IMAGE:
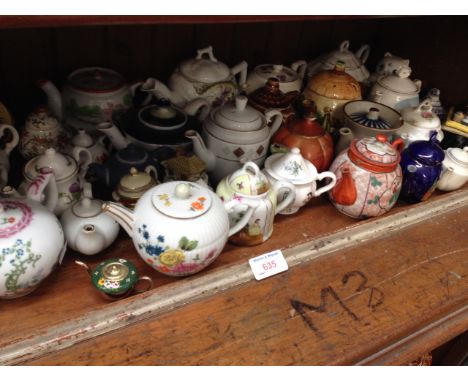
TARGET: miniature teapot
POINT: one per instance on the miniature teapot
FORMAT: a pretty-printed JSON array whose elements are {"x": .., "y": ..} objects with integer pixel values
[
  {"x": 90, "y": 95},
  {"x": 133, "y": 185},
  {"x": 200, "y": 77},
  {"x": 233, "y": 134},
  {"x": 306, "y": 133},
  {"x": 421, "y": 163},
  {"x": 116, "y": 278},
  {"x": 87, "y": 229},
  {"x": 10, "y": 138},
  {"x": 366, "y": 119},
  {"x": 31, "y": 238},
  {"x": 68, "y": 176},
  {"x": 178, "y": 228},
  {"x": 437, "y": 107},
  {"x": 419, "y": 122},
  {"x": 96, "y": 146},
  {"x": 294, "y": 168},
  {"x": 396, "y": 90},
  {"x": 354, "y": 62},
  {"x": 454, "y": 169},
  {"x": 386, "y": 66},
  {"x": 250, "y": 184},
  {"x": 368, "y": 177},
  {"x": 289, "y": 79},
  {"x": 41, "y": 131}
]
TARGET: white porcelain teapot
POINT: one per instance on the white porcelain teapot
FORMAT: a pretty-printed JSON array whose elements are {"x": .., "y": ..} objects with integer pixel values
[
  {"x": 32, "y": 242},
  {"x": 200, "y": 77},
  {"x": 179, "y": 228},
  {"x": 454, "y": 169},
  {"x": 297, "y": 170}
]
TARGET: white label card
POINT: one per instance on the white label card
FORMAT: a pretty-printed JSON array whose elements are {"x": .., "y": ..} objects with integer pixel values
[{"x": 268, "y": 264}]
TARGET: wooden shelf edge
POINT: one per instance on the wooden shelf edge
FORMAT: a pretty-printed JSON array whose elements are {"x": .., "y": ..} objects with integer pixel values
[
  {"x": 170, "y": 297},
  {"x": 67, "y": 21}
]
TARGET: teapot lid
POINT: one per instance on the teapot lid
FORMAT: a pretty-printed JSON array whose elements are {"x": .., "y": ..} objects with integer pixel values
[
  {"x": 459, "y": 156},
  {"x": 15, "y": 215},
  {"x": 376, "y": 153},
  {"x": 281, "y": 72},
  {"x": 239, "y": 116},
  {"x": 63, "y": 165},
  {"x": 371, "y": 118},
  {"x": 422, "y": 116},
  {"x": 96, "y": 80},
  {"x": 428, "y": 152},
  {"x": 206, "y": 70},
  {"x": 82, "y": 139},
  {"x": 87, "y": 208},
  {"x": 114, "y": 276},
  {"x": 249, "y": 180},
  {"x": 181, "y": 200},
  {"x": 162, "y": 116},
  {"x": 42, "y": 120},
  {"x": 135, "y": 182},
  {"x": 270, "y": 95},
  {"x": 291, "y": 166},
  {"x": 335, "y": 84},
  {"x": 399, "y": 81}
]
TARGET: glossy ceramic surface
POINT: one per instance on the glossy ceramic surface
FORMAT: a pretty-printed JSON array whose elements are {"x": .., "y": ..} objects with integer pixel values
[
  {"x": 10, "y": 139},
  {"x": 454, "y": 169},
  {"x": 387, "y": 65}
]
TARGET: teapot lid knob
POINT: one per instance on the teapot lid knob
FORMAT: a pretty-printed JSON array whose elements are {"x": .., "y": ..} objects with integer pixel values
[
  {"x": 381, "y": 138},
  {"x": 340, "y": 66},
  {"x": 277, "y": 68},
  {"x": 182, "y": 191},
  {"x": 373, "y": 114},
  {"x": 241, "y": 102}
]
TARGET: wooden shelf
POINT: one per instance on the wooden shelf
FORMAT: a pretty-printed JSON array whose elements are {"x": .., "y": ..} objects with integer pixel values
[{"x": 418, "y": 270}]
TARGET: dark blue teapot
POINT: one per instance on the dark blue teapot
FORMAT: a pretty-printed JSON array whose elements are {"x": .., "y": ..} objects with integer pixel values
[{"x": 421, "y": 164}]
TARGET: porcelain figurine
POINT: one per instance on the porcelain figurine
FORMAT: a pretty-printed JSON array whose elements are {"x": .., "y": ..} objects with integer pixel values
[
  {"x": 87, "y": 229},
  {"x": 42, "y": 131},
  {"x": 366, "y": 119},
  {"x": 116, "y": 278},
  {"x": 96, "y": 146},
  {"x": 250, "y": 184},
  {"x": 419, "y": 122},
  {"x": 289, "y": 79},
  {"x": 368, "y": 177},
  {"x": 354, "y": 62},
  {"x": 232, "y": 135},
  {"x": 454, "y": 169},
  {"x": 421, "y": 163},
  {"x": 437, "y": 107},
  {"x": 330, "y": 90},
  {"x": 157, "y": 125},
  {"x": 297, "y": 170},
  {"x": 306, "y": 133},
  {"x": 178, "y": 228},
  {"x": 120, "y": 163},
  {"x": 91, "y": 95},
  {"x": 31, "y": 238},
  {"x": 387, "y": 65},
  {"x": 134, "y": 184},
  {"x": 10, "y": 139},
  {"x": 201, "y": 77},
  {"x": 68, "y": 176},
  {"x": 270, "y": 96},
  {"x": 396, "y": 90}
]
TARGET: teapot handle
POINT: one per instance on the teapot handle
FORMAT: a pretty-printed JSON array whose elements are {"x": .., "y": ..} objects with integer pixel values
[
  {"x": 344, "y": 46},
  {"x": 277, "y": 117},
  {"x": 45, "y": 181},
  {"x": 238, "y": 201},
  {"x": 329, "y": 186},
  {"x": 300, "y": 67},
  {"x": 149, "y": 285},
  {"x": 363, "y": 53},
  {"x": 84, "y": 158},
  {"x": 151, "y": 170},
  {"x": 291, "y": 195},
  {"x": 209, "y": 51},
  {"x": 240, "y": 68},
  {"x": 14, "y": 137}
]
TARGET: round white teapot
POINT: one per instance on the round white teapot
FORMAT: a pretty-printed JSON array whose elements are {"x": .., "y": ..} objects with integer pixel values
[{"x": 454, "y": 169}]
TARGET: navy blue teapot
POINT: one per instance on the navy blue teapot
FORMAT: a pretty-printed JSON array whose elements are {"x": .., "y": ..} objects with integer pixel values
[{"x": 421, "y": 163}]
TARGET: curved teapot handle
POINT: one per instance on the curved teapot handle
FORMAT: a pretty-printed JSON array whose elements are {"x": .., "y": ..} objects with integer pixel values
[
  {"x": 300, "y": 67},
  {"x": 151, "y": 170},
  {"x": 149, "y": 284},
  {"x": 198, "y": 105},
  {"x": 239, "y": 201},
  {"x": 363, "y": 53},
  {"x": 329, "y": 186},
  {"x": 344, "y": 46},
  {"x": 133, "y": 88},
  {"x": 240, "y": 68},
  {"x": 291, "y": 195},
  {"x": 45, "y": 181},
  {"x": 14, "y": 137},
  {"x": 209, "y": 51},
  {"x": 277, "y": 117},
  {"x": 84, "y": 158}
]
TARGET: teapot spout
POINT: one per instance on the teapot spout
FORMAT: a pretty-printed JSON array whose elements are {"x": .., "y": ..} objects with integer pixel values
[
  {"x": 121, "y": 215},
  {"x": 201, "y": 150},
  {"x": 346, "y": 136},
  {"x": 159, "y": 90},
  {"x": 54, "y": 99},
  {"x": 116, "y": 137}
]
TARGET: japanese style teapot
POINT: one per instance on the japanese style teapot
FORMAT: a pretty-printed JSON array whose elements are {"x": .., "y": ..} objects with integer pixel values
[
  {"x": 200, "y": 77},
  {"x": 368, "y": 177},
  {"x": 179, "y": 228},
  {"x": 32, "y": 243}
]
